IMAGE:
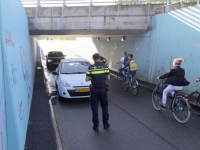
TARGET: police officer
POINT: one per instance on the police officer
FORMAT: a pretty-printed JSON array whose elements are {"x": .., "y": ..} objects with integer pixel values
[
  {"x": 98, "y": 74},
  {"x": 103, "y": 60}
]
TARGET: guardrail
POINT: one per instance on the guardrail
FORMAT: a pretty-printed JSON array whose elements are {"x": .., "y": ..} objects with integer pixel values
[
  {"x": 60, "y": 3},
  {"x": 176, "y": 5}
]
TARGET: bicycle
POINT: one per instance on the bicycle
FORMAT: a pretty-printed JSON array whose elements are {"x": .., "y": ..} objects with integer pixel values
[
  {"x": 178, "y": 104},
  {"x": 121, "y": 79},
  {"x": 194, "y": 101},
  {"x": 133, "y": 84}
]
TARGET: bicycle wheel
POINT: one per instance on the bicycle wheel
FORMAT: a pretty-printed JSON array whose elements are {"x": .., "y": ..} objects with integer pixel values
[
  {"x": 194, "y": 101},
  {"x": 156, "y": 100},
  {"x": 118, "y": 77},
  {"x": 123, "y": 79},
  {"x": 125, "y": 86},
  {"x": 134, "y": 88},
  {"x": 181, "y": 109}
]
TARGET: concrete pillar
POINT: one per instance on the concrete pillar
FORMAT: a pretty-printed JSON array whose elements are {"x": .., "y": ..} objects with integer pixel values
[
  {"x": 36, "y": 14},
  {"x": 168, "y": 5},
  {"x": 89, "y": 14}
]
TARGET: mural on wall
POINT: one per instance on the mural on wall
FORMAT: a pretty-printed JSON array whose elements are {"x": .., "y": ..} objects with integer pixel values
[
  {"x": 8, "y": 39},
  {"x": 112, "y": 50},
  {"x": 2, "y": 123},
  {"x": 13, "y": 76},
  {"x": 1, "y": 94},
  {"x": 137, "y": 45},
  {"x": 2, "y": 114},
  {"x": 114, "y": 47},
  {"x": 19, "y": 61},
  {"x": 20, "y": 109},
  {"x": 1, "y": 141},
  {"x": 26, "y": 74},
  {"x": 198, "y": 46},
  {"x": 0, "y": 102}
]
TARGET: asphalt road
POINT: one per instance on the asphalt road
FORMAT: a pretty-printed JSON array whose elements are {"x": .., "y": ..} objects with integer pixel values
[
  {"x": 135, "y": 124},
  {"x": 40, "y": 132}
]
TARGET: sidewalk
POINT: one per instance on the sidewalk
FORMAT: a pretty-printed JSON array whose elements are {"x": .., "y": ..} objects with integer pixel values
[{"x": 40, "y": 133}]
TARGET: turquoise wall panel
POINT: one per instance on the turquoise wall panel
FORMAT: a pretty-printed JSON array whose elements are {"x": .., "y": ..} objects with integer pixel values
[
  {"x": 3, "y": 123},
  {"x": 19, "y": 68},
  {"x": 177, "y": 40},
  {"x": 154, "y": 51}
]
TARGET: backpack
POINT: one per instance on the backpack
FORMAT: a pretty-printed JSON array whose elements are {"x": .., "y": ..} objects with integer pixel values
[
  {"x": 125, "y": 59},
  {"x": 133, "y": 65}
]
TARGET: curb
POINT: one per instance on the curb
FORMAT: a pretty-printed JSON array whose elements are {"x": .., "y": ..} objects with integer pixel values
[{"x": 55, "y": 126}]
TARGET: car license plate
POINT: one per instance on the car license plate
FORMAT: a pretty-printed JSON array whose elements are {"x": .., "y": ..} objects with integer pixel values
[
  {"x": 83, "y": 90},
  {"x": 56, "y": 63}
]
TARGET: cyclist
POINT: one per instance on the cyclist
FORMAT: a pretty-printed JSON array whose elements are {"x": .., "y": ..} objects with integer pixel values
[
  {"x": 175, "y": 80},
  {"x": 197, "y": 79},
  {"x": 123, "y": 61},
  {"x": 131, "y": 66}
]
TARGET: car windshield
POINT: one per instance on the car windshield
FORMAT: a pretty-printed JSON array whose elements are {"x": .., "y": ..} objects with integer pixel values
[
  {"x": 55, "y": 54},
  {"x": 74, "y": 67}
]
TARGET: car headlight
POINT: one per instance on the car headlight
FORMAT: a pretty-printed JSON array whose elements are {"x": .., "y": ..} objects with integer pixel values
[
  {"x": 64, "y": 83},
  {"x": 49, "y": 60}
]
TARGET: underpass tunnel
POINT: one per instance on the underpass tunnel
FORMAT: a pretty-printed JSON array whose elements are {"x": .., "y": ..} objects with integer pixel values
[
  {"x": 151, "y": 50},
  {"x": 172, "y": 35},
  {"x": 83, "y": 47}
]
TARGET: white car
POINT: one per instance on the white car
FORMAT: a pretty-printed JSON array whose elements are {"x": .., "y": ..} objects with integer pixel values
[{"x": 70, "y": 78}]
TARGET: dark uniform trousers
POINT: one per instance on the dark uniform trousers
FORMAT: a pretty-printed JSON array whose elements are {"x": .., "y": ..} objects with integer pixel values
[{"x": 96, "y": 95}]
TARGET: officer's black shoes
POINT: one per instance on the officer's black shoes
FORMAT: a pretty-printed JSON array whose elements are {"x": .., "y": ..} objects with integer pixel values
[
  {"x": 106, "y": 126},
  {"x": 95, "y": 128}
]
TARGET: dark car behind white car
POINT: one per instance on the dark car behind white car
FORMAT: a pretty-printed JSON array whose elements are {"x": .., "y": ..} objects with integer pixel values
[{"x": 53, "y": 58}]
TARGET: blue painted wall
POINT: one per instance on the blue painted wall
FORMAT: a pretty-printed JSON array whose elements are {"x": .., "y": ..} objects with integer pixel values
[
  {"x": 171, "y": 37},
  {"x": 3, "y": 133},
  {"x": 3, "y": 124},
  {"x": 17, "y": 69}
]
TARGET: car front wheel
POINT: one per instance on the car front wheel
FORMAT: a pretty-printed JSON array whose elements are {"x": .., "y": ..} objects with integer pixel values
[
  {"x": 58, "y": 95},
  {"x": 47, "y": 66},
  {"x": 60, "y": 99}
]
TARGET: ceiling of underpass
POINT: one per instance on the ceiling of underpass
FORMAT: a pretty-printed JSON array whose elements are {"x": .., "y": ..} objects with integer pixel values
[{"x": 87, "y": 33}]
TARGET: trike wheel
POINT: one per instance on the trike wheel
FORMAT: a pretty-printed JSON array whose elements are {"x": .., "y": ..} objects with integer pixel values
[
  {"x": 181, "y": 109},
  {"x": 135, "y": 89},
  {"x": 156, "y": 100},
  {"x": 194, "y": 103},
  {"x": 125, "y": 86},
  {"x": 119, "y": 79}
]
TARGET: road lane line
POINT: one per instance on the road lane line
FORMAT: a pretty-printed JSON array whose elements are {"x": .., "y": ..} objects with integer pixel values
[{"x": 55, "y": 126}]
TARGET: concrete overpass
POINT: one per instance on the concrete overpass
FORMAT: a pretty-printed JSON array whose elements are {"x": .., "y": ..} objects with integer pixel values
[{"x": 91, "y": 20}]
